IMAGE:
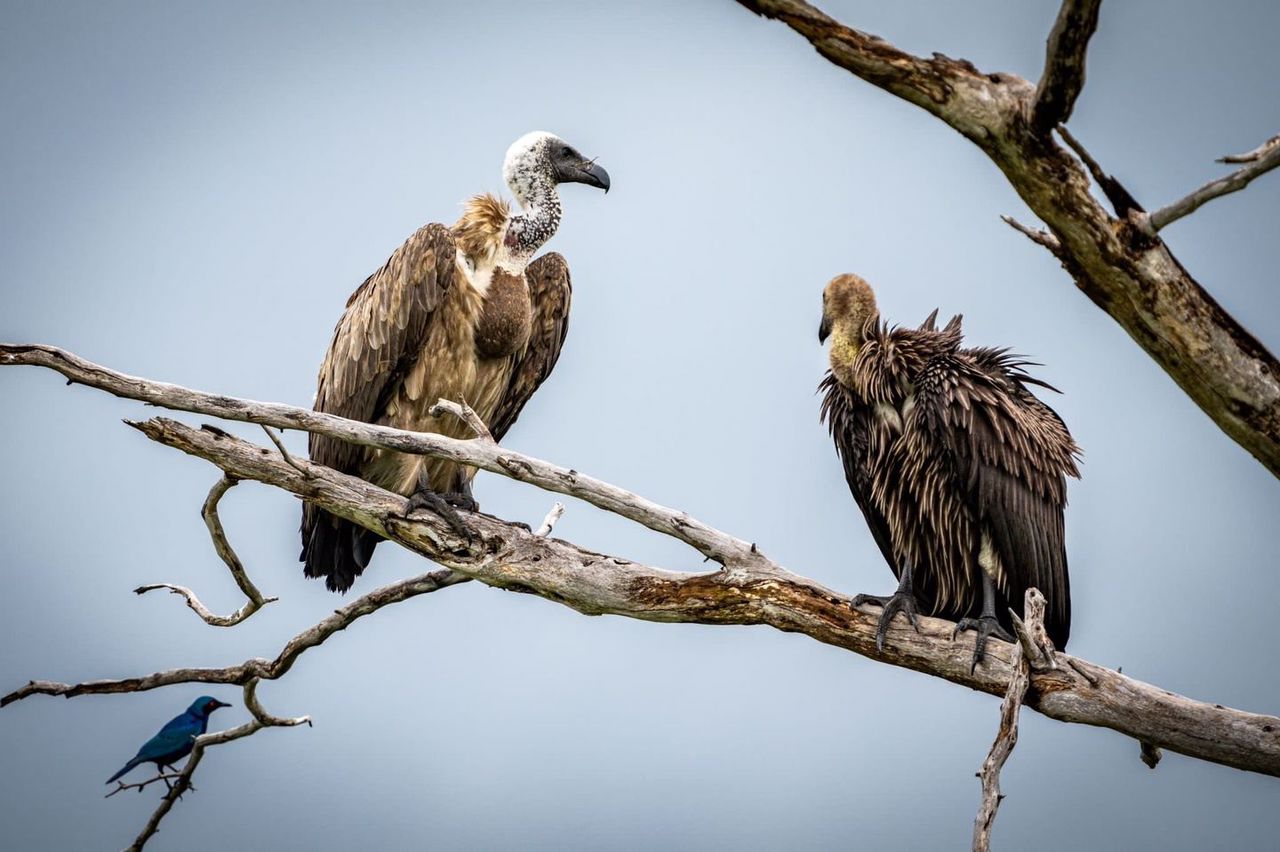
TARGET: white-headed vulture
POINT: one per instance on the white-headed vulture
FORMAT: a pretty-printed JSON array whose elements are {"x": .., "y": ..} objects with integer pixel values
[
  {"x": 459, "y": 313},
  {"x": 959, "y": 470}
]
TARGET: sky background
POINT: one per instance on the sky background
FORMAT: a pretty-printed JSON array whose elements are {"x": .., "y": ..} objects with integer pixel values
[{"x": 190, "y": 192}]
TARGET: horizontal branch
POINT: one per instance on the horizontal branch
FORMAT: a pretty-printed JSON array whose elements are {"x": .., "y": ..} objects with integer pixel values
[
  {"x": 509, "y": 557},
  {"x": 255, "y": 668},
  {"x": 1259, "y": 161},
  {"x": 1064, "y": 61},
  {"x": 478, "y": 452},
  {"x": 1118, "y": 263}
]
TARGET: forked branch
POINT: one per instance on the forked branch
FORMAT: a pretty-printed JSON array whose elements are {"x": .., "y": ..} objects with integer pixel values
[
  {"x": 1259, "y": 161},
  {"x": 1064, "y": 61}
]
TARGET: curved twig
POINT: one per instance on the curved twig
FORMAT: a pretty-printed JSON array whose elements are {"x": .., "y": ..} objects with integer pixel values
[{"x": 255, "y": 600}]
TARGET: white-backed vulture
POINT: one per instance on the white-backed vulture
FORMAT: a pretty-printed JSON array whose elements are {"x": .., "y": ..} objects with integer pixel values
[
  {"x": 959, "y": 470},
  {"x": 459, "y": 313}
]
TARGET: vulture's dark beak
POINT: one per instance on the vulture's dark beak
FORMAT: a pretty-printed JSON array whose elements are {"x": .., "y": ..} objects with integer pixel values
[
  {"x": 824, "y": 329},
  {"x": 588, "y": 173}
]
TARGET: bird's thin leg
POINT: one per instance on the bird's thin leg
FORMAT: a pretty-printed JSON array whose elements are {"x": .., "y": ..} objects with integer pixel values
[
  {"x": 462, "y": 498},
  {"x": 425, "y": 498},
  {"x": 986, "y": 624},
  {"x": 903, "y": 600}
]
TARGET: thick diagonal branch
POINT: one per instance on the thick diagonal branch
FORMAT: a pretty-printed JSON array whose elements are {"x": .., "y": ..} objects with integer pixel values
[
  {"x": 1064, "y": 60},
  {"x": 228, "y": 555},
  {"x": 1116, "y": 262}
]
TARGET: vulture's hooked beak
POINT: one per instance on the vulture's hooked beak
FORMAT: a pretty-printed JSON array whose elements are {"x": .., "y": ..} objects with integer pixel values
[
  {"x": 589, "y": 173},
  {"x": 824, "y": 329}
]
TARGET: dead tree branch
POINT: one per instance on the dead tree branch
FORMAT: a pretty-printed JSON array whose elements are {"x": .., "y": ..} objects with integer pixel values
[
  {"x": 1116, "y": 262},
  {"x": 1260, "y": 160},
  {"x": 261, "y": 719},
  {"x": 1063, "y": 76},
  {"x": 754, "y": 591},
  {"x": 486, "y": 455},
  {"x": 1007, "y": 734},
  {"x": 223, "y": 547}
]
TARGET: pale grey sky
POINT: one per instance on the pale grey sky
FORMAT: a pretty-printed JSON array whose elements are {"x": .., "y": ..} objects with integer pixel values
[{"x": 192, "y": 190}]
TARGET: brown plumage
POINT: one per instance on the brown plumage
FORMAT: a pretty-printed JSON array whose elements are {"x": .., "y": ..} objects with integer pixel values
[
  {"x": 959, "y": 470},
  {"x": 456, "y": 313}
]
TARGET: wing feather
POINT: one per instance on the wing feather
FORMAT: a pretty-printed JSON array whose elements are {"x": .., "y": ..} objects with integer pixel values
[{"x": 1012, "y": 453}]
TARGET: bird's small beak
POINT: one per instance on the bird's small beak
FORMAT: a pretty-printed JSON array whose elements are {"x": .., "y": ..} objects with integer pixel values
[
  {"x": 824, "y": 329},
  {"x": 593, "y": 175},
  {"x": 217, "y": 703}
]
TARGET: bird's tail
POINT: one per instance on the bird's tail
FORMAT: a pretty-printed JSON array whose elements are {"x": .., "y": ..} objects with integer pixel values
[
  {"x": 127, "y": 767},
  {"x": 336, "y": 549}
]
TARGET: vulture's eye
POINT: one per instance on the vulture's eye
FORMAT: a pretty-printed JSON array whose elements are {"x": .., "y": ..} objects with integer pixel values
[{"x": 564, "y": 152}]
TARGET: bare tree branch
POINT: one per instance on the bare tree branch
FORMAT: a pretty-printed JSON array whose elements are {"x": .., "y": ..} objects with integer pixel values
[
  {"x": 466, "y": 414},
  {"x": 1037, "y": 236},
  {"x": 549, "y": 522},
  {"x": 1117, "y": 263},
  {"x": 275, "y": 439},
  {"x": 1007, "y": 734},
  {"x": 1260, "y": 160},
  {"x": 718, "y": 546},
  {"x": 1064, "y": 61},
  {"x": 209, "y": 512},
  {"x": 758, "y": 591},
  {"x": 261, "y": 719}
]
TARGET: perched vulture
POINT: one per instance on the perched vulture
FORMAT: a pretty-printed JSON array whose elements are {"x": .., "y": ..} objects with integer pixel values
[
  {"x": 459, "y": 313},
  {"x": 958, "y": 468}
]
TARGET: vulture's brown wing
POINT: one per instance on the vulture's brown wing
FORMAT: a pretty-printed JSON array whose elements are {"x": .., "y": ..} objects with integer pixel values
[
  {"x": 379, "y": 337},
  {"x": 1011, "y": 454},
  {"x": 550, "y": 292},
  {"x": 375, "y": 343},
  {"x": 849, "y": 420}
]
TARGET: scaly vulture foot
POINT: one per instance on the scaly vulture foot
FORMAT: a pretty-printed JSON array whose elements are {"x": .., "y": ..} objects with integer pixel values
[
  {"x": 899, "y": 601},
  {"x": 425, "y": 498},
  {"x": 985, "y": 626},
  {"x": 462, "y": 500}
]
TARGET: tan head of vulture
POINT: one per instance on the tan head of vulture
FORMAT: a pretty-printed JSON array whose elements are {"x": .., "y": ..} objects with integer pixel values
[
  {"x": 959, "y": 470},
  {"x": 460, "y": 313}
]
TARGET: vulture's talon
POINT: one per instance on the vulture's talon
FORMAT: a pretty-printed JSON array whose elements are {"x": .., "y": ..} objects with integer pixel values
[
  {"x": 899, "y": 601},
  {"x": 985, "y": 626},
  {"x": 439, "y": 505}
]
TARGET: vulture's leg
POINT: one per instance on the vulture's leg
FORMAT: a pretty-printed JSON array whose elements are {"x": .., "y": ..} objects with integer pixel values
[
  {"x": 986, "y": 624},
  {"x": 424, "y": 498},
  {"x": 903, "y": 600},
  {"x": 462, "y": 497}
]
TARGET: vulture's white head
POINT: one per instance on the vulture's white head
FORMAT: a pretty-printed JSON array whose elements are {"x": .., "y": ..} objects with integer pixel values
[{"x": 539, "y": 161}]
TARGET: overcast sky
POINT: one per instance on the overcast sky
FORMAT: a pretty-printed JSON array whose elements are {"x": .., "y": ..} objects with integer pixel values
[{"x": 192, "y": 190}]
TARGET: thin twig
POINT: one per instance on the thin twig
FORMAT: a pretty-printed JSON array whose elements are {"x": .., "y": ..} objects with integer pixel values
[
  {"x": 228, "y": 555},
  {"x": 1007, "y": 735},
  {"x": 1258, "y": 162},
  {"x": 1037, "y": 647},
  {"x": 275, "y": 439},
  {"x": 466, "y": 414},
  {"x": 261, "y": 719},
  {"x": 1121, "y": 200},
  {"x": 549, "y": 522},
  {"x": 166, "y": 777},
  {"x": 1043, "y": 238}
]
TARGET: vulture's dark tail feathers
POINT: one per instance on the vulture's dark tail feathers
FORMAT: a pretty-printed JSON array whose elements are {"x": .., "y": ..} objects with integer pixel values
[{"x": 338, "y": 550}]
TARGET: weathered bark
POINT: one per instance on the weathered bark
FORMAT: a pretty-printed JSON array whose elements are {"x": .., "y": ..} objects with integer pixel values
[
  {"x": 750, "y": 590},
  {"x": 1118, "y": 262}
]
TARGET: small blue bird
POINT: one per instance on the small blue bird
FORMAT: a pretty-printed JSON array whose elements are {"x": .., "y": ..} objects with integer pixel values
[{"x": 175, "y": 739}]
